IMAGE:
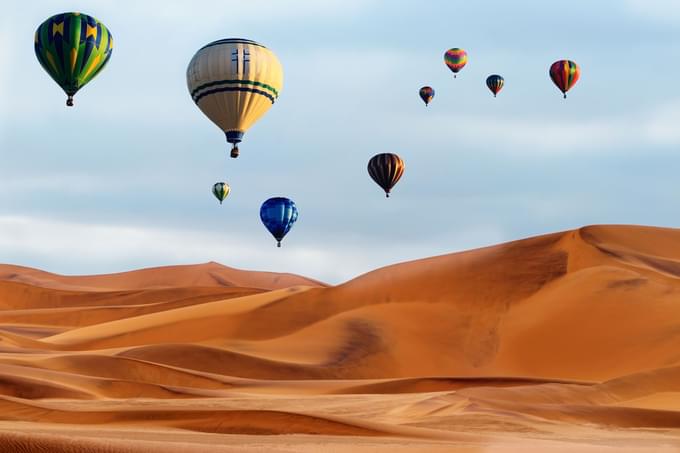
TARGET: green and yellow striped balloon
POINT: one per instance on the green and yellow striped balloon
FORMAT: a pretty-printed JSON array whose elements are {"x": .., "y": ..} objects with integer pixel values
[
  {"x": 73, "y": 48},
  {"x": 221, "y": 190}
]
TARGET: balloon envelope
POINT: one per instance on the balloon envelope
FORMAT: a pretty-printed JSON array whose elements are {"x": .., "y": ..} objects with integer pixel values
[
  {"x": 278, "y": 215},
  {"x": 564, "y": 74},
  {"x": 386, "y": 169},
  {"x": 426, "y": 94},
  {"x": 455, "y": 59},
  {"x": 221, "y": 190},
  {"x": 495, "y": 83},
  {"x": 234, "y": 82},
  {"x": 73, "y": 48}
]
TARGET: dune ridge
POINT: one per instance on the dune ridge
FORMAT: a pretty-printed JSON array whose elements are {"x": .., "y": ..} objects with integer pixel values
[
  {"x": 558, "y": 342},
  {"x": 207, "y": 274}
]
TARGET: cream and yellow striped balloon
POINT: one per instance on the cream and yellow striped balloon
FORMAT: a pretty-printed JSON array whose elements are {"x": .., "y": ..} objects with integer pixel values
[{"x": 234, "y": 82}]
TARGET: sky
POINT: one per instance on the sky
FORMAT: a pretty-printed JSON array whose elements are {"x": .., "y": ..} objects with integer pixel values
[{"x": 122, "y": 180}]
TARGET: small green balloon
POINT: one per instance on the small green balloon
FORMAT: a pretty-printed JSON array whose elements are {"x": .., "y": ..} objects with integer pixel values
[{"x": 221, "y": 190}]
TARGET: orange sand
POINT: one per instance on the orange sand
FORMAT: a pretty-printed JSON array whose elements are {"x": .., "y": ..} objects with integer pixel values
[{"x": 560, "y": 343}]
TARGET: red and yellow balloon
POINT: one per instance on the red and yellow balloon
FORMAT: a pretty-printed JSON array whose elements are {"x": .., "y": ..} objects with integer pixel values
[{"x": 565, "y": 74}]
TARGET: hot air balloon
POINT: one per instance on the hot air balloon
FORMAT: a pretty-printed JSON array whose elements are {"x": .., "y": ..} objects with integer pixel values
[
  {"x": 73, "y": 48},
  {"x": 386, "y": 170},
  {"x": 221, "y": 190},
  {"x": 278, "y": 215},
  {"x": 234, "y": 82},
  {"x": 426, "y": 94},
  {"x": 564, "y": 74},
  {"x": 495, "y": 83},
  {"x": 455, "y": 59}
]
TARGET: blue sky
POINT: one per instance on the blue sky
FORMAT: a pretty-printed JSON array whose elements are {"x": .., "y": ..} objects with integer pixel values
[{"x": 123, "y": 179}]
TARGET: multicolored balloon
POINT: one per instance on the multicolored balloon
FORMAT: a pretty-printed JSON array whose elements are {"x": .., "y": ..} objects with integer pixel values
[
  {"x": 564, "y": 74},
  {"x": 455, "y": 59},
  {"x": 495, "y": 83},
  {"x": 278, "y": 215},
  {"x": 221, "y": 190},
  {"x": 73, "y": 48},
  {"x": 426, "y": 94},
  {"x": 234, "y": 82},
  {"x": 386, "y": 169}
]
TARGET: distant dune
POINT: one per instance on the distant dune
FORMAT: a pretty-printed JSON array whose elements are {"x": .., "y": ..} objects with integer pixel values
[
  {"x": 563, "y": 342},
  {"x": 187, "y": 276}
]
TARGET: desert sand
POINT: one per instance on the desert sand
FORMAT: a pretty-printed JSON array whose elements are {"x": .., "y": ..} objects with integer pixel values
[{"x": 559, "y": 343}]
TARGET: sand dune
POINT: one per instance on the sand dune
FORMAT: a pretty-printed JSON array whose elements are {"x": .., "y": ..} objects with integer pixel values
[
  {"x": 563, "y": 342},
  {"x": 208, "y": 274}
]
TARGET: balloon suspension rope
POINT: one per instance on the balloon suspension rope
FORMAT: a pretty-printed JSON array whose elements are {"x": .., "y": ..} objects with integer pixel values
[{"x": 69, "y": 101}]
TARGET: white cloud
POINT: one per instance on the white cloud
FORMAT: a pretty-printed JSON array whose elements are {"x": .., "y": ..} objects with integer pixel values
[
  {"x": 660, "y": 10},
  {"x": 661, "y": 126},
  {"x": 6, "y": 55},
  {"x": 92, "y": 248},
  {"x": 218, "y": 11},
  {"x": 632, "y": 131},
  {"x": 208, "y": 14}
]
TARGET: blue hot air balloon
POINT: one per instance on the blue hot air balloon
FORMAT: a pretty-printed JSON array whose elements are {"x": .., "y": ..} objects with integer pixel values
[{"x": 278, "y": 215}]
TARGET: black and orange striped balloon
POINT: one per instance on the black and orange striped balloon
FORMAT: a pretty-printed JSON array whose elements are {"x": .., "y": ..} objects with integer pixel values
[
  {"x": 495, "y": 83},
  {"x": 426, "y": 94},
  {"x": 386, "y": 169}
]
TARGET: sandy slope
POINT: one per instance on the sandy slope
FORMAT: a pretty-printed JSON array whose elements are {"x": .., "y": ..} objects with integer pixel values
[{"x": 563, "y": 342}]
